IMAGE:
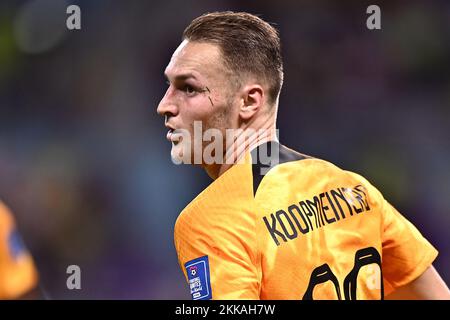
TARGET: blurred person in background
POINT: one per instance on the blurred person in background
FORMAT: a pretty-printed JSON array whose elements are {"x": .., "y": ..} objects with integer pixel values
[{"x": 18, "y": 274}]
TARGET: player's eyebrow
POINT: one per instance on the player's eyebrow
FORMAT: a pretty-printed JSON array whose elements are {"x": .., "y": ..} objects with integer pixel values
[{"x": 181, "y": 77}]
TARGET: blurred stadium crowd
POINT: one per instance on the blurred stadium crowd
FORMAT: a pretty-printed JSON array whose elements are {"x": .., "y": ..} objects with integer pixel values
[{"x": 85, "y": 166}]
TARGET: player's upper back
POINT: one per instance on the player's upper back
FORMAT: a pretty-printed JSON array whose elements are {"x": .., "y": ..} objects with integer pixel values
[
  {"x": 288, "y": 226},
  {"x": 316, "y": 221}
]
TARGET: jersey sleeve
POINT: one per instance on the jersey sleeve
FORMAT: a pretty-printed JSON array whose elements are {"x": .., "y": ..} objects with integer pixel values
[
  {"x": 406, "y": 254},
  {"x": 18, "y": 274},
  {"x": 218, "y": 257}
]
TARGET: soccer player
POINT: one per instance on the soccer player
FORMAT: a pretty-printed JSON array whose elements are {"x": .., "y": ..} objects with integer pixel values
[
  {"x": 274, "y": 223},
  {"x": 18, "y": 275}
]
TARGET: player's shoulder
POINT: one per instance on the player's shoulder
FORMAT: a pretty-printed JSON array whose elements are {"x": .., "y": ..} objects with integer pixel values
[
  {"x": 294, "y": 171},
  {"x": 326, "y": 173},
  {"x": 326, "y": 170},
  {"x": 290, "y": 162}
]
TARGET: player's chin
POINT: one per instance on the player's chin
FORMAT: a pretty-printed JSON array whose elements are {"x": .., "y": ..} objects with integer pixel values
[
  {"x": 179, "y": 155},
  {"x": 175, "y": 154},
  {"x": 184, "y": 154}
]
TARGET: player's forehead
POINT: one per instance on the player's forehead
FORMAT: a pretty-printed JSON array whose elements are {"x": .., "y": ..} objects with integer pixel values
[{"x": 194, "y": 59}]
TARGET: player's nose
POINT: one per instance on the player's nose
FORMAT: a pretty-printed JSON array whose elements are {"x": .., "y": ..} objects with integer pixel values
[{"x": 167, "y": 106}]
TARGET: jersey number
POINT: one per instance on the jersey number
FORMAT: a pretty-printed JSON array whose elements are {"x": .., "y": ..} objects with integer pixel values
[{"x": 323, "y": 274}]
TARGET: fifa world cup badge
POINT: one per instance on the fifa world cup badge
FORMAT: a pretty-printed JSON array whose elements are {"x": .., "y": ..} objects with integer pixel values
[{"x": 199, "y": 279}]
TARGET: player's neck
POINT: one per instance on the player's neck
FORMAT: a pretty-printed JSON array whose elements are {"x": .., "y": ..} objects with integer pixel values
[{"x": 243, "y": 143}]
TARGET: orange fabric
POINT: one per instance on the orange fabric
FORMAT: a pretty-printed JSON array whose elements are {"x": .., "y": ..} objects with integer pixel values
[
  {"x": 308, "y": 217},
  {"x": 17, "y": 271}
]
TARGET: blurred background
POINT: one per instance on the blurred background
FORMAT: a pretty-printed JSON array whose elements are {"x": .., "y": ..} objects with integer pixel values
[{"x": 85, "y": 165}]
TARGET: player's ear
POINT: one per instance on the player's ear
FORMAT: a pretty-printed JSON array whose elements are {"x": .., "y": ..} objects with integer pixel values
[{"x": 252, "y": 100}]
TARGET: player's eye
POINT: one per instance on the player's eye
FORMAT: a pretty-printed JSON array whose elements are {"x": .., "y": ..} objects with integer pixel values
[{"x": 189, "y": 90}]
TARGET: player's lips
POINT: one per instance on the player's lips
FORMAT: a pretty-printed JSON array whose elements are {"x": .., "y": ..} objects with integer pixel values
[
  {"x": 169, "y": 134},
  {"x": 173, "y": 135}
]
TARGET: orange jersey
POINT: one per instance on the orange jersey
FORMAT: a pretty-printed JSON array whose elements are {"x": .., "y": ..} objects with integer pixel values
[
  {"x": 17, "y": 271},
  {"x": 299, "y": 228}
]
